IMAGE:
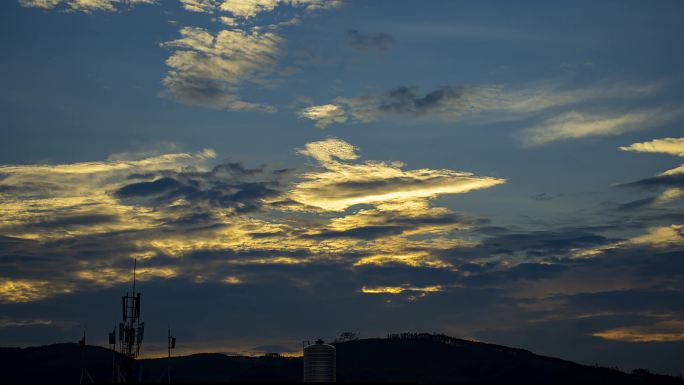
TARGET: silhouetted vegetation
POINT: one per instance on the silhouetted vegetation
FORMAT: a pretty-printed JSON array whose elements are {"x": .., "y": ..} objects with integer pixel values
[{"x": 406, "y": 358}]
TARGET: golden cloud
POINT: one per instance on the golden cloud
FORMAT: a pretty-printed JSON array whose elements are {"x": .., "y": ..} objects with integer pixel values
[
  {"x": 672, "y": 146},
  {"x": 664, "y": 331},
  {"x": 86, "y": 203},
  {"x": 658, "y": 237},
  {"x": 28, "y": 290},
  {"x": 339, "y": 185}
]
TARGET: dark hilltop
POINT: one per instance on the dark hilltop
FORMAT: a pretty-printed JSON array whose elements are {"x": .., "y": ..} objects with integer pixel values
[{"x": 402, "y": 358}]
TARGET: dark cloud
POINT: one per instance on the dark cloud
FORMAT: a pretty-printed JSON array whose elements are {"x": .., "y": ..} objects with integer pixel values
[
  {"x": 447, "y": 102},
  {"x": 389, "y": 223},
  {"x": 540, "y": 243},
  {"x": 407, "y": 100},
  {"x": 74, "y": 220},
  {"x": 544, "y": 196},
  {"x": 523, "y": 271},
  {"x": 366, "y": 42},
  {"x": 143, "y": 189},
  {"x": 637, "y": 204},
  {"x": 363, "y": 232},
  {"x": 228, "y": 185},
  {"x": 674, "y": 180},
  {"x": 30, "y": 188}
]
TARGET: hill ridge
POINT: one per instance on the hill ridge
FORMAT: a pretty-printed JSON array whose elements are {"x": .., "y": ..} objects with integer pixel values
[{"x": 407, "y": 357}]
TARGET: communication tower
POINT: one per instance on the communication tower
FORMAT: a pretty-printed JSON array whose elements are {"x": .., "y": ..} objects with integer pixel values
[{"x": 131, "y": 334}]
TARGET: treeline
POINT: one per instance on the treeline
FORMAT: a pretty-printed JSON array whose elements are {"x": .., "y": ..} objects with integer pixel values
[{"x": 441, "y": 338}]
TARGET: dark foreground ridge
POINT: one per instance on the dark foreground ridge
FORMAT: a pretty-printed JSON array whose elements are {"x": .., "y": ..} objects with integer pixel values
[{"x": 405, "y": 358}]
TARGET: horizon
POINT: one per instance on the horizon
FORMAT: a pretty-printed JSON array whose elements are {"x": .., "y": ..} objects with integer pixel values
[{"x": 283, "y": 170}]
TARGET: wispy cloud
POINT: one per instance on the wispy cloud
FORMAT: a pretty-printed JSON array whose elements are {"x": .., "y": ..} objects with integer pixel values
[
  {"x": 82, "y": 5},
  {"x": 251, "y": 8},
  {"x": 445, "y": 102},
  {"x": 7, "y": 322},
  {"x": 575, "y": 125},
  {"x": 365, "y": 42},
  {"x": 559, "y": 113},
  {"x": 663, "y": 331},
  {"x": 29, "y": 290},
  {"x": 202, "y": 6}
]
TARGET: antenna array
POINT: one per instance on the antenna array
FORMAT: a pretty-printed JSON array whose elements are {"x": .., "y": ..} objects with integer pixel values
[{"x": 131, "y": 334}]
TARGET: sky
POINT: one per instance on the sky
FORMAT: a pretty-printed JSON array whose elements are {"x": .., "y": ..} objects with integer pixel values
[{"x": 284, "y": 170}]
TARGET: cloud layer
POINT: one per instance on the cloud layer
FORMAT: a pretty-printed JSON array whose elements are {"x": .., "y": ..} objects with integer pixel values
[
  {"x": 550, "y": 111},
  {"x": 83, "y": 5},
  {"x": 179, "y": 205}
]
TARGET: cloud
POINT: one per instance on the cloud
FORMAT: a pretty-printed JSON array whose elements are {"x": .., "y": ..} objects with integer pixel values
[
  {"x": 339, "y": 185},
  {"x": 248, "y": 8},
  {"x": 415, "y": 292},
  {"x": 47, "y": 4},
  {"x": 575, "y": 125},
  {"x": 661, "y": 237},
  {"x": 671, "y": 180},
  {"x": 324, "y": 115},
  {"x": 82, "y": 5},
  {"x": 183, "y": 216},
  {"x": 208, "y": 70},
  {"x": 533, "y": 244},
  {"x": 7, "y": 322},
  {"x": 202, "y": 6},
  {"x": 326, "y": 150},
  {"x": 227, "y": 186},
  {"x": 672, "y": 146},
  {"x": 549, "y": 95},
  {"x": 446, "y": 103},
  {"x": 663, "y": 331},
  {"x": 365, "y": 42},
  {"x": 251, "y": 8},
  {"x": 545, "y": 104},
  {"x": 46, "y": 201},
  {"x": 28, "y": 290}
]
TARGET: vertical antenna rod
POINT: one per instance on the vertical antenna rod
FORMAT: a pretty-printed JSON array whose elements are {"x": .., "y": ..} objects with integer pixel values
[{"x": 131, "y": 331}]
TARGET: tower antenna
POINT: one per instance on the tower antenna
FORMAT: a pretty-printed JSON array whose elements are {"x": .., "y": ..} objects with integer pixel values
[
  {"x": 131, "y": 333},
  {"x": 84, "y": 370}
]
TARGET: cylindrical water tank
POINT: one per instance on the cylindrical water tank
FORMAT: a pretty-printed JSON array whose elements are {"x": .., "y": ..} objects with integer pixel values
[{"x": 319, "y": 362}]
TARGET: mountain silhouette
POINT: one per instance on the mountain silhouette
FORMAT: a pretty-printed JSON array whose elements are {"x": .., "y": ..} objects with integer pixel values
[{"x": 407, "y": 358}]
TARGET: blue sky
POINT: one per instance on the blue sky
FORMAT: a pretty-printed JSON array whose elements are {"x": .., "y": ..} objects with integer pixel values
[{"x": 496, "y": 171}]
